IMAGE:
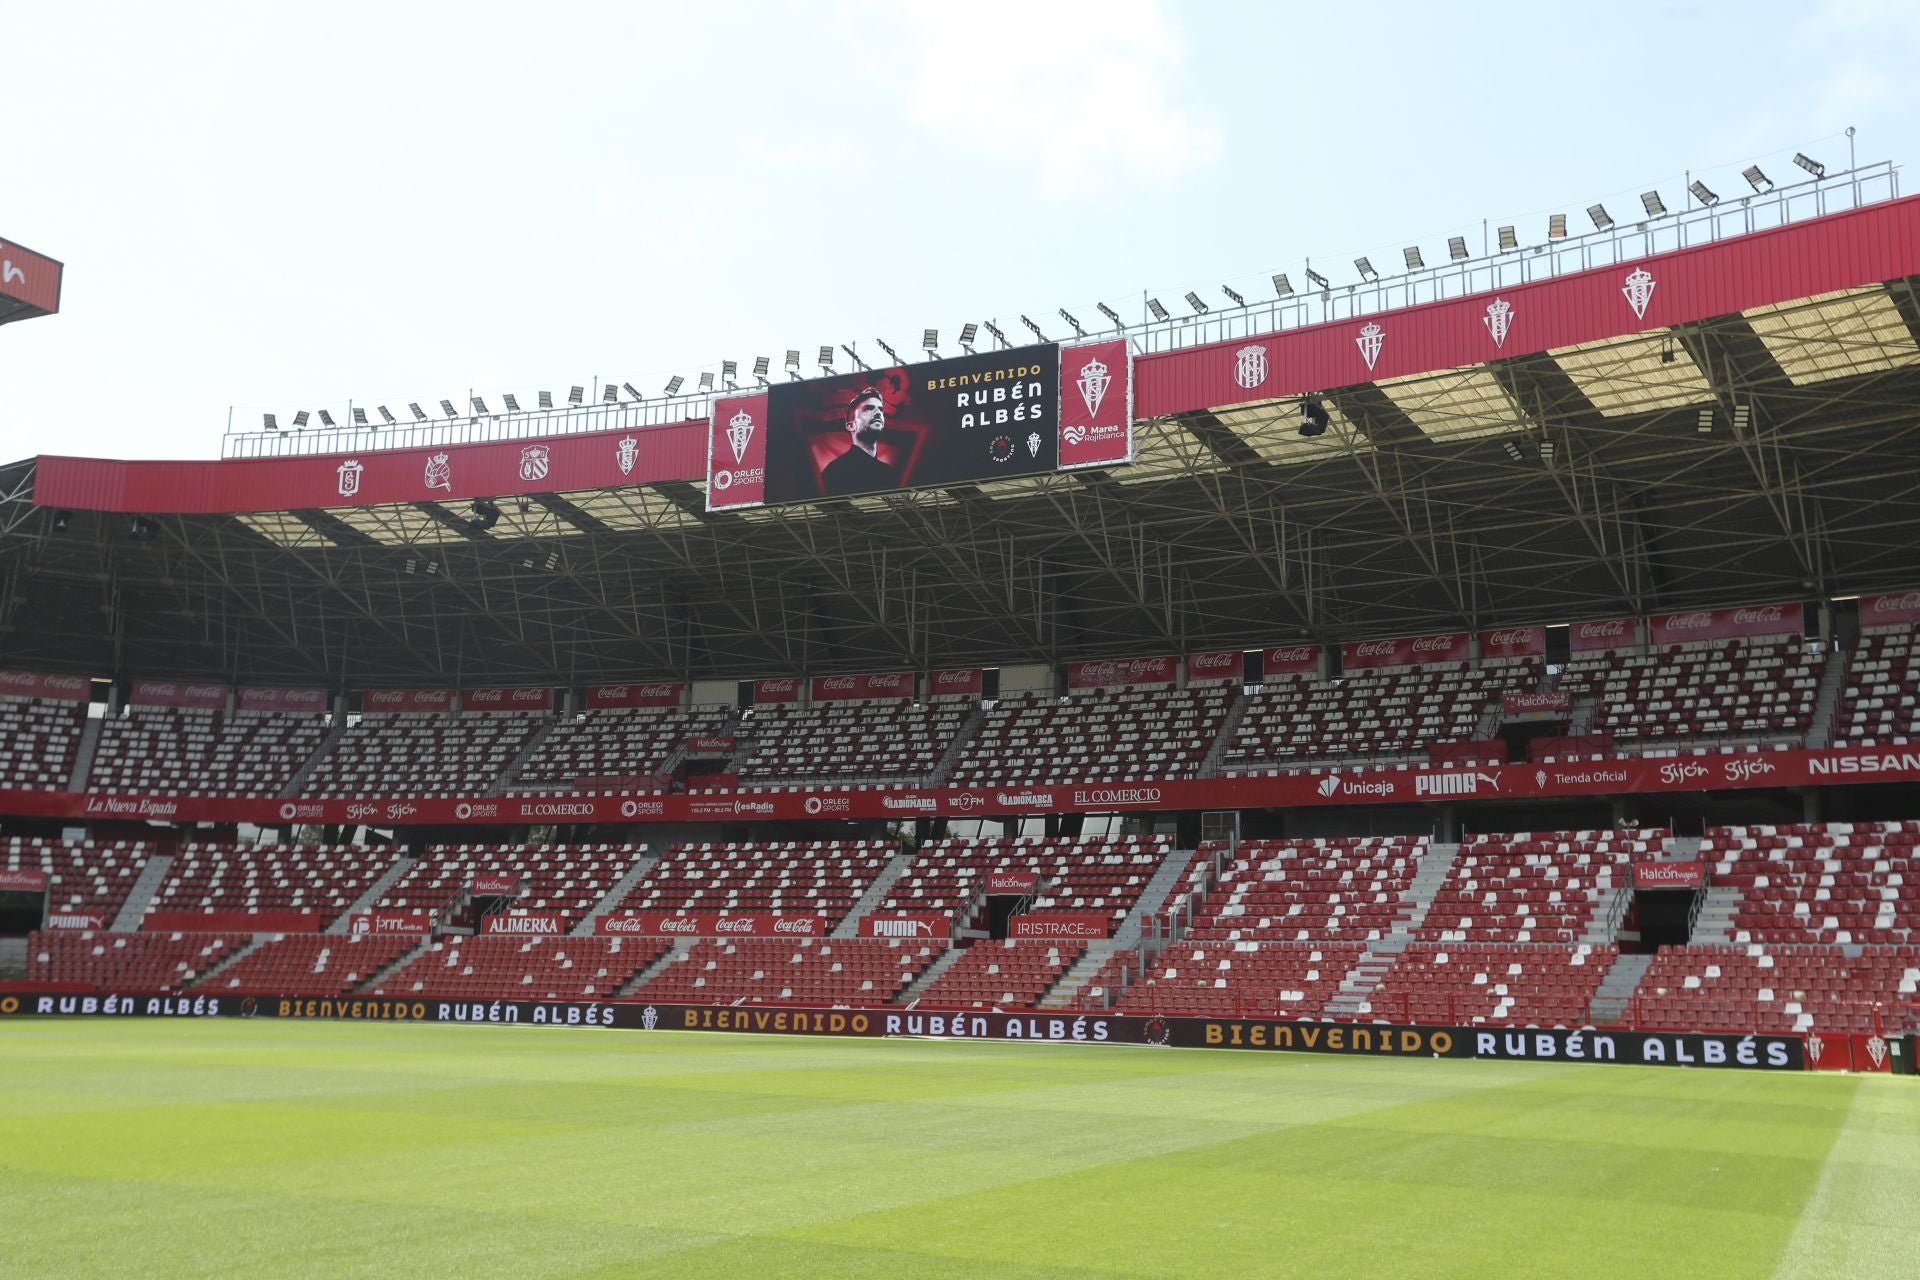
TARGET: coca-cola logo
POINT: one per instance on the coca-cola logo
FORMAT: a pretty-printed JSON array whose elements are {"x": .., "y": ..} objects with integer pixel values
[
  {"x": 613, "y": 691},
  {"x": 205, "y": 691},
  {"x": 950, "y": 679},
  {"x": 838, "y": 683},
  {"x": 1509, "y": 639},
  {"x": 1299, "y": 653},
  {"x": 1433, "y": 644},
  {"x": 778, "y": 686},
  {"x": 488, "y": 695},
  {"x": 1603, "y": 630},
  {"x": 741, "y": 924},
  {"x": 1375, "y": 648},
  {"x": 1687, "y": 622},
  {"x": 529, "y": 695},
  {"x": 621, "y": 924},
  {"x": 1213, "y": 661},
  {"x": 796, "y": 924},
  {"x": 160, "y": 690},
  {"x": 1767, "y": 613},
  {"x": 675, "y": 924},
  {"x": 1680, "y": 771},
  {"x": 658, "y": 690},
  {"x": 1908, "y": 603}
]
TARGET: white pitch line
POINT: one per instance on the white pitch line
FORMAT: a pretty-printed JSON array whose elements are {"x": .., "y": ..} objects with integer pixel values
[{"x": 1863, "y": 1219}]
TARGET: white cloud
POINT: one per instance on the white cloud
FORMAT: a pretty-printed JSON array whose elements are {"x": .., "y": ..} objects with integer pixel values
[{"x": 1085, "y": 99}]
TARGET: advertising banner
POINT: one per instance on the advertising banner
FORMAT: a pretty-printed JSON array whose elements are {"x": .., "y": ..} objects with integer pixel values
[
  {"x": 713, "y": 924},
  {"x": 1096, "y": 404},
  {"x": 22, "y": 881},
  {"x": 932, "y": 927},
  {"x": 539, "y": 924},
  {"x": 1292, "y": 660},
  {"x": 712, "y": 744},
  {"x": 1516, "y": 704},
  {"x": 378, "y": 702},
  {"x": 1012, "y": 881},
  {"x": 1227, "y": 666},
  {"x": 1604, "y": 636},
  {"x": 737, "y": 453},
  {"x": 1669, "y": 875},
  {"x": 661, "y": 693},
  {"x": 29, "y": 279},
  {"x": 420, "y": 922},
  {"x": 894, "y": 686},
  {"x": 27, "y": 684},
  {"x": 1121, "y": 673},
  {"x": 957, "y": 421},
  {"x": 1728, "y": 624},
  {"x": 1895, "y": 609},
  {"x": 1060, "y": 924},
  {"x": 1408, "y": 651},
  {"x": 282, "y": 700},
  {"x": 1514, "y": 642},
  {"x": 75, "y": 920},
  {"x": 234, "y": 922},
  {"x": 1842, "y": 1052},
  {"x": 495, "y": 884},
  {"x": 507, "y": 700},
  {"x": 173, "y": 693},
  {"x": 785, "y": 689},
  {"x": 951, "y": 682}
]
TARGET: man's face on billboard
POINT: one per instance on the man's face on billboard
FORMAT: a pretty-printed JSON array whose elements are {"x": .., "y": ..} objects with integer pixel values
[{"x": 866, "y": 421}]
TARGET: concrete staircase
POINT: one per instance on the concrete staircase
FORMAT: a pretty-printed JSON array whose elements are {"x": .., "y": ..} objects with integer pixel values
[
  {"x": 232, "y": 957},
  {"x": 505, "y": 777},
  {"x": 1223, "y": 741},
  {"x": 943, "y": 767},
  {"x": 1078, "y": 974},
  {"x": 83, "y": 759},
  {"x": 672, "y": 955},
  {"x": 140, "y": 897},
  {"x": 1154, "y": 896},
  {"x": 849, "y": 927},
  {"x": 312, "y": 762},
  {"x": 1580, "y": 718},
  {"x": 1367, "y": 973},
  {"x": 13, "y": 958},
  {"x": 374, "y": 893},
  {"x": 1827, "y": 700},
  {"x": 928, "y": 976},
  {"x": 408, "y": 957},
  {"x": 1611, "y": 998},
  {"x": 612, "y": 897},
  {"x": 1715, "y": 921}
]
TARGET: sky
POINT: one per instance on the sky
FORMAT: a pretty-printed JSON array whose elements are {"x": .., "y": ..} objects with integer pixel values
[{"x": 265, "y": 208}]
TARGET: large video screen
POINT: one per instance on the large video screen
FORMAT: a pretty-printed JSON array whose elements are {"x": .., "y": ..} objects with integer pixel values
[{"x": 979, "y": 417}]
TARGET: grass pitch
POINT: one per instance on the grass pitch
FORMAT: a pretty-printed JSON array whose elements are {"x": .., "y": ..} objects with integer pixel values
[{"x": 260, "y": 1149}]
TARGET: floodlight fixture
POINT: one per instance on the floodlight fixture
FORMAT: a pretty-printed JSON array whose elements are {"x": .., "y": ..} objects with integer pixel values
[
  {"x": 1703, "y": 193},
  {"x": 1653, "y": 204},
  {"x": 826, "y": 355},
  {"x": 1811, "y": 165},
  {"x": 968, "y": 332},
  {"x": 300, "y": 420},
  {"x": 1193, "y": 300},
  {"x": 1067, "y": 315},
  {"x": 1233, "y": 295},
  {"x": 419, "y": 414},
  {"x": 1512, "y": 448},
  {"x": 478, "y": 405},
  {"x": 1601, "y": 218},
  {"x": 1757, "y": 179},
  {"x": 577, "y": 395},
  {"x": 1282, "y": 287},
  {"x": 1457, "y": 248},
  {"x": 993, "y": 331},
  {"x": 446, "y": 409},
  {"x": 610, "y": 394},
  {"x": 1313, "y": 419},
  {"x": 891, "y": 353},
  {"x": 1317, "y": 280},
  {"x": 760, "y": 366},
  {"x": 854, "y": 356},
  {"x": 730, "y": 373},
  {"x": 1509, "y": 239},
  {"x": 1365, "y": 267},
  {"x": 1027, "y": 321},
  {"x": 1557, "y": 226},
  {"x": 1159, "y": 312},
  {"x": 546, "y": 399},
  {"x": 1546, "y": 450},
  {"x": 1411, "y": 256},
  {"x": 386, "y": 415},
  {"x": 1703, "y": 423},
  {"x": 271, "y": 423},
  {"x": 630, "y": 390},
  {"x": 674, "y": 384},
  {"x": 706, "y": 381},
  {"x": 930, "y": 342},
  {"x": 326, "y": 419},
  {"x": 513, "y": 401},
  {"x": 1742, "y": 415},
  {"x": 1110, "y": 314},
  {"x": 359, "y": 417}
]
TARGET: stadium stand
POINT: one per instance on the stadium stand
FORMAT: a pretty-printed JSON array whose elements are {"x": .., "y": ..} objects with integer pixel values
[
  {"x": 319, "y": 881},
  {"x": 1533, "y": 887},
  {"x": 1494, "y": 983},
  {"x": 631, "y": 743},
  {"x": 1880, "y": 701},
  {"x": 39, "y": 742},
  {"x": 791, "y": 877},
  {"x": 202, "y": 752},
  {"x": 1841, "y": 883},
  {"x": 562, "y": 880},
  {"x": 854, "y": 742},
  {"x": 1792, "y": 987},
  {"x": 1034, "y": 739},
  {"x": 497, "y": 967},
  {"x": 1323, "y": 890},
  {"x": 1759, "y": 690},
  {"x": 802, "y": 971},
  {"x": 1008, "y": 974},
  {"x": 142, "y": 962},
  {"x": 1287, "y": 980},
  {"x": 84, "y": 879},
  {"x": 414, "y": 753},
  {"x": 1093, "y": 873},
  {"x": 308, "y": 964}
]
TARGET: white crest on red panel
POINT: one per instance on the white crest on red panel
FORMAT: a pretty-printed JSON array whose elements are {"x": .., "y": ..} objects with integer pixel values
[
  {"x": 1499, "y": 320},
  {"x": 439, "y": 473},
  {"x": 1093, "y": 382},
  {"x": 627, "y": 453},
  {"x": 1250, "y": 366},
  {"x": 1638, "y": 290},
  {"x": 350, "y": 477},
  {"x": 1371, "y": 339},
  {"x": 739, "y": 435},
  {"x": 534, "y": 462}
]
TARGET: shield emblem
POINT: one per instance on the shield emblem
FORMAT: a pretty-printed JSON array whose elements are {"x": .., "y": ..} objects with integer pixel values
[{"x": 533, "y": 462}]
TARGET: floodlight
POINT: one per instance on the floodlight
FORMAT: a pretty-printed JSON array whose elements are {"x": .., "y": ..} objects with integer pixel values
[
  {"x": 730, "y": 373},
  {"x": 1036, "y": 328},
  {"x": 272, "y": 425},
  {"x": 1159, "y": 312},
  {"x": 1653, "y": 204},
  {"x": 891, "y": 353},
  {"x": 854, "y": 356},
  {"x": 513, "y": 402},
  {"x": 674, "y": 384},
  {"x": 359, "y": 417},
  {"x": 1282, "y": 287},
  {"x": 1313, "y": 419},
  {"x": 1365, "y": 267},
  {"x": 577, "y": 395},
  {"x": 1233, "y": 294},
  {"x": 386, "y": 415},
  {"x": 1457, "y": 248},
  {"x": 446, "y": 409},
  {"x": 1812, "y": 166},
  {"x": 1512, "y": 448},
  {"x": 930, "y": 342},
  {"x": 1110, "y": 314},
  {"x": 478, "y": 405},
  {"x": 1193, "y": 300},
  {"x": 1756, "y": 179},
  {"x": 1601, "y": 218},
  {"x": 632, "y": 391},
  {"x": 826, "y": 356},
  {"x": 1557, "y": 226},
  {"x": 1742, "y": 415},
  {"x": 1546, "y": 450},
  {"x": 419, "y": 414},
  {"x": 967, "y": 334},
  {"x": 706, "y": 381},
  {"x": 1317, "y": 280},
  {"x": 546, "y": 399},
  {"x": 1067, "y": 315},
  {"x": 300, "y": 420},
  {"x": 993, "y": 331},
  {"x": 610, "y": 394},
  {"x": 1703, "y": 193},
  {"x": 1703, "y": 424},
  {"x": 1411, "y": 256},
  {"x": 760, "y": 366},
  {"x": 326, "y": 419},
  {"x": 1508, "y": 240}
]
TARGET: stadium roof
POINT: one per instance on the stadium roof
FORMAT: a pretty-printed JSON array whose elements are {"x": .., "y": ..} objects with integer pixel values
[{"x": 1761, "y": 453}]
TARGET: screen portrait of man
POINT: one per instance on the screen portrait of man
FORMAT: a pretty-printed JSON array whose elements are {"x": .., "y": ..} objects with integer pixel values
[{"x": 860, "y": 469}]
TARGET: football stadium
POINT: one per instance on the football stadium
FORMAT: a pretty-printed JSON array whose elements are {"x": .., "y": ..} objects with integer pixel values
[{"x": 1416, "y": 772}]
